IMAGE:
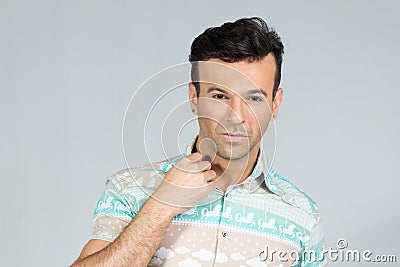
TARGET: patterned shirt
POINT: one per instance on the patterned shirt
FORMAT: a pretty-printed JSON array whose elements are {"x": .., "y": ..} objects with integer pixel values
[{"x": 264, "y": 221}]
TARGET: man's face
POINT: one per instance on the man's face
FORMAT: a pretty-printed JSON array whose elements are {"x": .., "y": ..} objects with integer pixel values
[{"x": 235, "y": 104}]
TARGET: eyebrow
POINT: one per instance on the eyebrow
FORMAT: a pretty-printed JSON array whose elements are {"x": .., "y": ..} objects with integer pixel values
[
  {"x": 216, "y": 89},
  {"x": 258, "y": 91},
  {"x": 253, "y": 91}
]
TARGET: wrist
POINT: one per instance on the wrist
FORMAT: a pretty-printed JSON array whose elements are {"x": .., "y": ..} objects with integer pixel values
[{"x": 165, "y": 210}]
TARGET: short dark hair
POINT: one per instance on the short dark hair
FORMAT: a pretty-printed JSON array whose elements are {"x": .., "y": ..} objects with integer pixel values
[{"x": 247, "y": 39}]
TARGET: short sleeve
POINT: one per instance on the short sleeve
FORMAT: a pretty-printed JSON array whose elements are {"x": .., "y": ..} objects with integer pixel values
[
  {"x": 314, "y": 254},
  {"x": 112, "y": 214}
]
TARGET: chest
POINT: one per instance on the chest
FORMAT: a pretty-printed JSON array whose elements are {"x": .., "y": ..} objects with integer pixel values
[{"x": 232, "y": 231}]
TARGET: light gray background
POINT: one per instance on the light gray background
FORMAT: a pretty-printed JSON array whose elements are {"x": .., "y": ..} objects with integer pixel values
[{"x": 68, "y": 70}]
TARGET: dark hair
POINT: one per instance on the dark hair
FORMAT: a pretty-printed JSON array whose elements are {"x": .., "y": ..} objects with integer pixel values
[{"x": 247, "y": 39}]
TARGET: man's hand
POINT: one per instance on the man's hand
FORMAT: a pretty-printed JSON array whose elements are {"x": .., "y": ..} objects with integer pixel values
[
  {"x": 187, "y": 183},
  {"x": 184, "y": 185}
]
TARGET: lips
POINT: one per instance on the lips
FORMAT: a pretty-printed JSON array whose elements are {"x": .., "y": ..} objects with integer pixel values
[
  {"x": 234, "y": 134},
  {"x": 234, "y": 137}
]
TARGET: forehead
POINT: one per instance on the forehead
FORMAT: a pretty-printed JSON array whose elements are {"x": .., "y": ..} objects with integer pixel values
[{"x": 239, "y": 76}]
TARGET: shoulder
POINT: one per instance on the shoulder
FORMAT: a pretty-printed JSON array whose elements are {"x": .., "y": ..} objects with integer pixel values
[
  {"x": 148, "y": 175},
  {"x": 292, "y": 194}
]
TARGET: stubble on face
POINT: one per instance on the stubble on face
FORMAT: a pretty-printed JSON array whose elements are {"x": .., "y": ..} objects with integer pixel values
[
  {"x": 225, "y": 149},
  {"x": 234, "y": 113}
]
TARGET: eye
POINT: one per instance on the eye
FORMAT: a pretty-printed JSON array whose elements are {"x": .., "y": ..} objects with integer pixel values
[
  {"x": 219, "y": 96},
  {"x": 255, "y": 99}
]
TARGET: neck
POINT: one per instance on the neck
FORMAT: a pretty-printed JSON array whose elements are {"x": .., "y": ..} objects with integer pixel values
[{"x": 232, "y": 171}]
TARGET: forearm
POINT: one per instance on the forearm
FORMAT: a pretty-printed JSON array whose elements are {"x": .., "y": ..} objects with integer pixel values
[{"x": 137, "y": 243}]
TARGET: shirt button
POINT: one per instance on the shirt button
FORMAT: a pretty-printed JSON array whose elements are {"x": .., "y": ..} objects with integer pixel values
[{"x": 224, "y": 234}]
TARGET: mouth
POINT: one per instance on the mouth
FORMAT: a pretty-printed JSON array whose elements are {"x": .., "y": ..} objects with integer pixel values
[{"x": 234, "y": 137}]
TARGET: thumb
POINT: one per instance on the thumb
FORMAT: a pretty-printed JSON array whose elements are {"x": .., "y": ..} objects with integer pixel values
[{"x": 194, "y": 157}]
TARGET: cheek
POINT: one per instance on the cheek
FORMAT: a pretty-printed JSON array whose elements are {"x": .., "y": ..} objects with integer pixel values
[
  {"x": 259, "y": 120},
  {"x": 211, "y": 110},
  {"x": 209, "y": 127}
]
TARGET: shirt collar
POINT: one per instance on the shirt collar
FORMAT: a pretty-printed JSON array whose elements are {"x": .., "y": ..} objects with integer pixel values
[{"x": 261, "y": 172}]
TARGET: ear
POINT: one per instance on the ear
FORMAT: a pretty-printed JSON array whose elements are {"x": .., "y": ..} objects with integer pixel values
[
  {"x": 277, "y": 102},
  {"x": 193, "y": 98}
]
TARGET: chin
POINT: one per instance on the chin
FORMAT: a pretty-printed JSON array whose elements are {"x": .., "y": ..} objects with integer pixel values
[{"x": 233, "y": 153}]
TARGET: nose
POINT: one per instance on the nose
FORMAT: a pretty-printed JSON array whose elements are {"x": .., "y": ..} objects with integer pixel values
[{"x": 235, "y": 113}]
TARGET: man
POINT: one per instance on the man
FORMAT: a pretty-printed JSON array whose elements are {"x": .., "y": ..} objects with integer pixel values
[{"x": 218, "y": 204}]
